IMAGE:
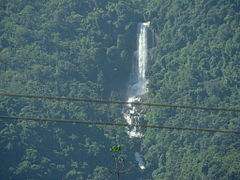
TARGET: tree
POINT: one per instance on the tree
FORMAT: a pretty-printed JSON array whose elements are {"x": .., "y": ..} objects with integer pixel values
[{"x": 119, "y": 161}]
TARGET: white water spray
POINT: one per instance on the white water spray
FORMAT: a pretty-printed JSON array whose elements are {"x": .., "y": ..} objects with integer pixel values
[
  {"x": 137, "y": 87},
  {"x": 139, "y": 159}
]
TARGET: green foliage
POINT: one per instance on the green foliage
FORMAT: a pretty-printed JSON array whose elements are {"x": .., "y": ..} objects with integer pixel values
[
  {"x": 85, "y": 49},
  {"x": 115, "y": 148},
  {"x": 100, "y": 173},
  {"x": 190, "y": 66}
]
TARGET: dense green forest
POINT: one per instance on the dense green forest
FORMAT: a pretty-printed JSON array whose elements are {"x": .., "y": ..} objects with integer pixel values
[{"x": 85, "y": 48}]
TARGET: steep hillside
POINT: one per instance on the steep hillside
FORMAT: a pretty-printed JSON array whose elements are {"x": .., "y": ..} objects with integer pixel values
[
  {"x": 195, "y": 62},
  {"x": 85, "y": 49},
  {"x": 63, "y": 48}
]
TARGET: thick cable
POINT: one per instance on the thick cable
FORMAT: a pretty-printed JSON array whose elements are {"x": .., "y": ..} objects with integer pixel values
[
  {"x": 121, "y": 102},
  {"x": 121, "y": 124}
]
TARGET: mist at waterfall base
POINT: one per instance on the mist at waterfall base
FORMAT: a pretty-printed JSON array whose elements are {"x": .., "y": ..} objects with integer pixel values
[{"x": 137, "y": 87}]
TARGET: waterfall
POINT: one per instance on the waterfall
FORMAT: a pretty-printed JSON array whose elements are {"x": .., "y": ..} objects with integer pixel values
[{"x": 137, "y": 86}]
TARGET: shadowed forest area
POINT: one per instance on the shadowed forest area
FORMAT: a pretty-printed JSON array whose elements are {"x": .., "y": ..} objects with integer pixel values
[{"x": 85, "y": 49}]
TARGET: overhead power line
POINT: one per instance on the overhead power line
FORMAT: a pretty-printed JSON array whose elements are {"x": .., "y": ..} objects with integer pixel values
[
  {"x": 121, "y": 102},
  {"x": 120, "y": 124}
]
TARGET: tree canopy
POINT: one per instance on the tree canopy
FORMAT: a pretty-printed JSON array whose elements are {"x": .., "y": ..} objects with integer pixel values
[{"x": 85, "y": 49}]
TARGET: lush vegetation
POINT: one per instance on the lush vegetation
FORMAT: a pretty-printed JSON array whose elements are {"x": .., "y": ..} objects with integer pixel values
[{"x": 85, "y": 49}]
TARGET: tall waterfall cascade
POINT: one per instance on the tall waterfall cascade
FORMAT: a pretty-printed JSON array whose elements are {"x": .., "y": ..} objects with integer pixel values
[{"x": 137, "y": 86}]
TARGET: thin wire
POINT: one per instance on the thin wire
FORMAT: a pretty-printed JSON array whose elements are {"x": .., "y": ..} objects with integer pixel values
[
  {"x": 120, "y": 124},
  {"x": 121, "y": 102}
]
